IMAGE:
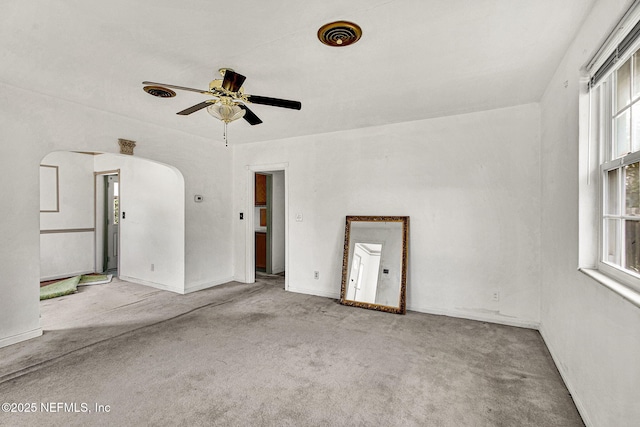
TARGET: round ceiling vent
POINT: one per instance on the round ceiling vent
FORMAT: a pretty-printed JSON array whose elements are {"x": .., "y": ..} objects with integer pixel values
[
  {"x": 339, "y": 33},
  {"x": 159, "y": 91}
]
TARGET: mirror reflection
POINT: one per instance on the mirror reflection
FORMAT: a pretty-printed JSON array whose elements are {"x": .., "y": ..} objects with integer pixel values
[{"x": 374, "y": 263}]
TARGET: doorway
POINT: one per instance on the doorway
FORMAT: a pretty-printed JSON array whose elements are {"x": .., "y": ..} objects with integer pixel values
[
  {"x": 267, "y": 222},
  {"x": 107, "y": 211},
  {"x": 112, "y": 226}
]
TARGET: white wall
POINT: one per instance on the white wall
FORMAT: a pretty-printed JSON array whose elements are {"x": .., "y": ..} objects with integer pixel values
[
  {"x": 29, "y": 134},
  {"x": 69, "y": 253},
  {"x": 470, "y": 183},
  {"x": 592, "y": 333},
  {"x": 152, "y": 197}
]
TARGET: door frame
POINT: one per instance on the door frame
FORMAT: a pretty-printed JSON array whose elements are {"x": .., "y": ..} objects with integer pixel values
[
  {"x": 97, "y": 238},
  {"x": 250, "y": 244}
]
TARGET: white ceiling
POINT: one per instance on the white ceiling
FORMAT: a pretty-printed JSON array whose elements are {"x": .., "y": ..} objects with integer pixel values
[{"x": 416, "y": 59}]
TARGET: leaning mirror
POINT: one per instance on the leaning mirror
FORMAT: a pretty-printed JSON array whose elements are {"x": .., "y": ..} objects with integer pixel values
[{"x": 374, "y": 264}]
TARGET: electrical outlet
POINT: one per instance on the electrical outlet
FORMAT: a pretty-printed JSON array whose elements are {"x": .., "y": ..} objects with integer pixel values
[
  {"x": 495, "y": 296},
  {"x": 316, "y": 275}
]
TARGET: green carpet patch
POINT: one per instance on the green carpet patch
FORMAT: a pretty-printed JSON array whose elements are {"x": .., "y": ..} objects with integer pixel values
[
  {"x": 90, "y": 279},
  {"x": 58, "y": 289},
  {"x": 70, "y": 285}
]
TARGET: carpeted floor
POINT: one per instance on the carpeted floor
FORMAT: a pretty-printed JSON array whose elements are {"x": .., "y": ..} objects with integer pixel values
[{"x": 255, "y": 355}]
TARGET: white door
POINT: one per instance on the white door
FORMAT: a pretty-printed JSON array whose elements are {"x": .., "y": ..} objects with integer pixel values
[
  {"x": 112, "y": 222},
  {"x": 354, "y": 278}
]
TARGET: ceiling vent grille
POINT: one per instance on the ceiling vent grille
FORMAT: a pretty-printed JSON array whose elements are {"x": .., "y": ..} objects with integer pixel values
[
  {"x": 339, "y": 33},
  {"x": 159, "y": 91}
]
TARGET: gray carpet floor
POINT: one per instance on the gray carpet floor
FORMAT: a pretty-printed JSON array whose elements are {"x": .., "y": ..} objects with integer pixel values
[{"x": 255, "y": 355}]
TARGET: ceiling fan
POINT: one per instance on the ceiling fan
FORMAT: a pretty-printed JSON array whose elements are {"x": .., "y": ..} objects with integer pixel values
[{"x": 229, "y": 99}]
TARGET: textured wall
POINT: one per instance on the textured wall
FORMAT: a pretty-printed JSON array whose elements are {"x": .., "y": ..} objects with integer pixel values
[
  {"x": 592, "y": 333},
  {"x": 470, "y": 183}
]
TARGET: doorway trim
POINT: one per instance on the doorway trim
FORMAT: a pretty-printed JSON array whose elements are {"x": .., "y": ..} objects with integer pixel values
[
  {"x": 98, "y": 238},
  {"x": 250, "y": 244}
]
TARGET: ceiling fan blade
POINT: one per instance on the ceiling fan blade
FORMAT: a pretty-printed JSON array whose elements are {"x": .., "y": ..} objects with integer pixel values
[
  {"x": 274, "y": 102},
  {"x": 232, "y": 81},
  {"x": 195, "y": 108},
  {"x": 177, "y": 87},
  {"x": 249, "y": 115}
]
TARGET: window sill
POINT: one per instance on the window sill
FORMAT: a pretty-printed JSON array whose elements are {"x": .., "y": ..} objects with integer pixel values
[{"x": 624, "y": 291}]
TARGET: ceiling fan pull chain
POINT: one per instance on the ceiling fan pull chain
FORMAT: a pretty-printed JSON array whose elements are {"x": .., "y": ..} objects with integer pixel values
[{"x": 225, "y": 135}]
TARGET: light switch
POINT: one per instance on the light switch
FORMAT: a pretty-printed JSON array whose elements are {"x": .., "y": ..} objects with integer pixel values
[{"x": 299, "y": 217}]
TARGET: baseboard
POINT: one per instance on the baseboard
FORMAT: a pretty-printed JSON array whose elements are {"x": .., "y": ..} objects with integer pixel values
[
  {"x": 151, "y": 284},
  {"x": 14, "y": 339},
  {"x": 66, "y": 275},
  {"x": 316, "y": 292},
  {"x": 490, "y": 318},
  {"x": 200, "y": 286},
  {"x": 563, "y": 374}
]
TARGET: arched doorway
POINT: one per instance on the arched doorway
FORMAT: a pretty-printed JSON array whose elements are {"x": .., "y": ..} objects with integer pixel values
[{"x": 150, "y": 216}]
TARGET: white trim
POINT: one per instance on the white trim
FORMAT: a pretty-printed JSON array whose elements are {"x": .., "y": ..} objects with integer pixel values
[
  {"x": 488, "y": 316},
  {"x": 582, "y": 409},
  {"x": 624, "y": 291},
  {"x": 617, "y": 33},
  {"x": 315, "y": 292},
  {"x": 588, "y": 176},
  {"x": 206, "y": 285},
  {"x": 14, "y": 339},
  {"x": 249, "y": 245},
  {"x": 151, "y": 284},
  {"x": 66, "y": 276}
]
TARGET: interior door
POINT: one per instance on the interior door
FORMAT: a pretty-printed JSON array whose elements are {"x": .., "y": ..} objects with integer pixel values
[
  {"x": 354, "y": 278},
  {"x": 112, "y": 222}
]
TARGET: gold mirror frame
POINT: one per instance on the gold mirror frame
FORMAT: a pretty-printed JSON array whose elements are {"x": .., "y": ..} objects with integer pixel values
[{"x": 402, "y": 306}]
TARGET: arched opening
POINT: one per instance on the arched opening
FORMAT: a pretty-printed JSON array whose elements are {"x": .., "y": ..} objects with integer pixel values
[{"x": 77, "y": 214}]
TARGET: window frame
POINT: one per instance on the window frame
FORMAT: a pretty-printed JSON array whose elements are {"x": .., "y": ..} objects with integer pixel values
[
  {"x": 606, "y": 116},
  {"x": 620, "y": 44}
]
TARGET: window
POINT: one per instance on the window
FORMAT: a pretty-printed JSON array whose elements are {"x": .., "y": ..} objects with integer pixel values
[
  {"x": 615, "y": 105},
  {"x": 609, "y": 162}
]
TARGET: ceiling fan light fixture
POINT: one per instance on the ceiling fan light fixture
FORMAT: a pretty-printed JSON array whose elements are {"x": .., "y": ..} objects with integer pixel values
[
  {"x": 226, "y": 113},
  {"x": 339, "y": 33}
]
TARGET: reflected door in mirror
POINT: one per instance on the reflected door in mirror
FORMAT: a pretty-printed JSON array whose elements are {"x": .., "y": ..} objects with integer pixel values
[
  {"x": 374, "y": 263},
  {"x": 363, "y": 280}
]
